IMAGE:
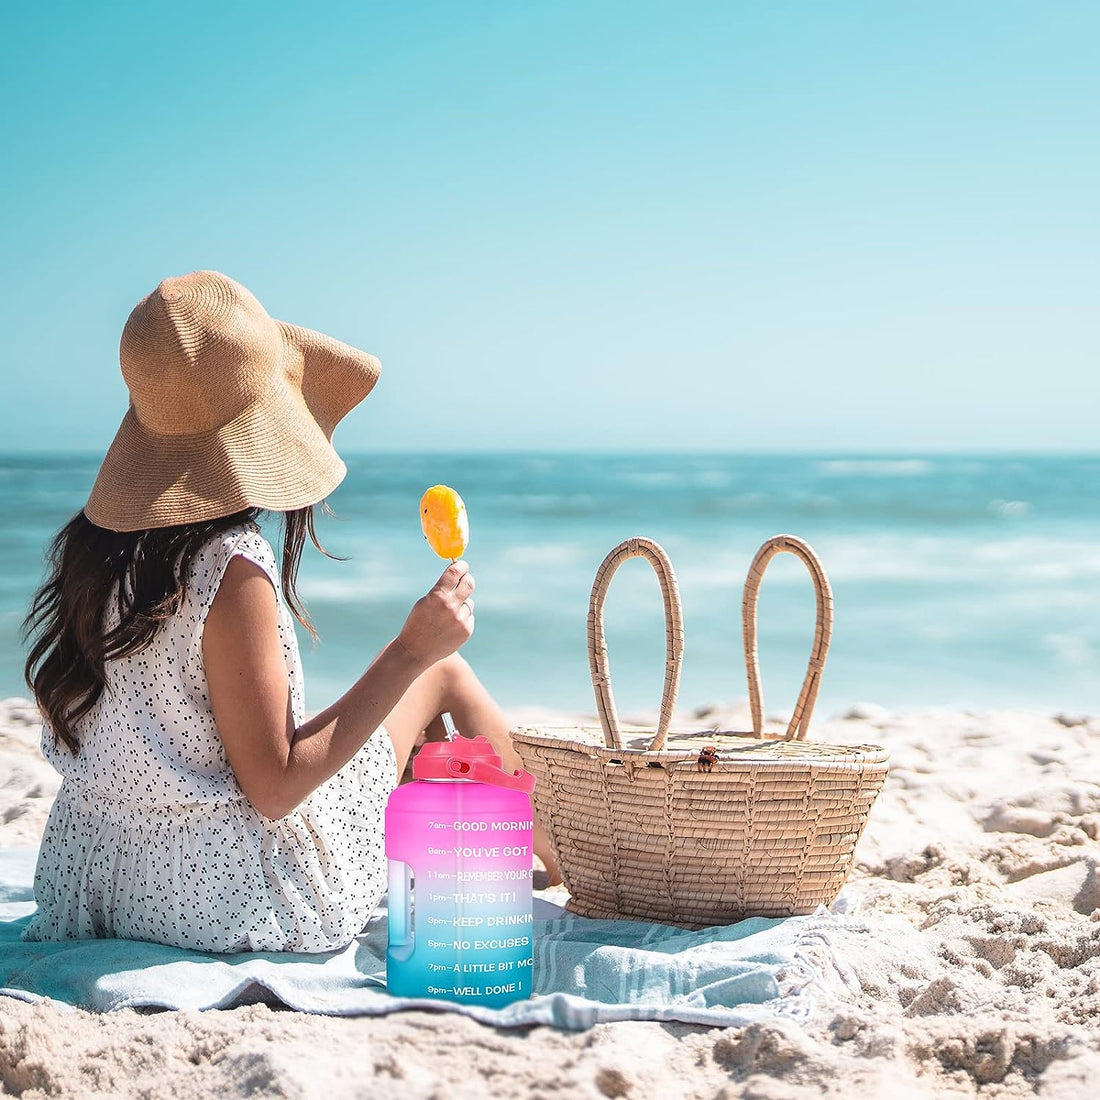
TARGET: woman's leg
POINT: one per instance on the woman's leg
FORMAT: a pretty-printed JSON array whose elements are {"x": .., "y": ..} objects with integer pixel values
[{"x": 451, "y": 685}]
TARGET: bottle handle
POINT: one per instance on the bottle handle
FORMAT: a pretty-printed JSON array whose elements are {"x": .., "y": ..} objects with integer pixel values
[
  {"x": 399, "y": 909},
  {"x": 481, "y": 772}
]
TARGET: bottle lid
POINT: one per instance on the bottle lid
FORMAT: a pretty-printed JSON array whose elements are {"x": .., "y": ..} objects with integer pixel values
[{"x": 470, "y": 758}]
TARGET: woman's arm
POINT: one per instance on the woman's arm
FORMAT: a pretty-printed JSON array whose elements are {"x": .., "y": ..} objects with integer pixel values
[{"x": 276, "y": 764}]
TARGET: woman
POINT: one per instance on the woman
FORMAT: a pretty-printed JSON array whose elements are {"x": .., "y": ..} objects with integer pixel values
[{"x": 199, "y": 807}]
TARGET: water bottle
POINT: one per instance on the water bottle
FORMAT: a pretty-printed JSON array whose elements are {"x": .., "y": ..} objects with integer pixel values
[{"x": 458, "y": 845}]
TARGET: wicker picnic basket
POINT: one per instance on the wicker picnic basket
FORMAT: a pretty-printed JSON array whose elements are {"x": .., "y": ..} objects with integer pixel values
[{"x": 648, "y": 830}]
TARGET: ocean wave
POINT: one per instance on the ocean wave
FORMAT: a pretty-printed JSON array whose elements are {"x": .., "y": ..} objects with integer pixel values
[
  {"x": 361, "y": 587},
  {"x": 874, "y": 467},
  {"x": 1072, "y": 650},
  {"x": 550, "y": 504},
  {"x": 927, "y": 559},
  {"x": 541, "y": 555},
  {"x": 1010, "y": 509}
]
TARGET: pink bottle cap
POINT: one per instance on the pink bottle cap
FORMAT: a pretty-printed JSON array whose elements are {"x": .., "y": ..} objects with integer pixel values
[{"x": 468, "y": 758}]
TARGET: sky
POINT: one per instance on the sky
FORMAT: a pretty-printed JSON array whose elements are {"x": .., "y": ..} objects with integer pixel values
[{"x": 841, "y": 227}]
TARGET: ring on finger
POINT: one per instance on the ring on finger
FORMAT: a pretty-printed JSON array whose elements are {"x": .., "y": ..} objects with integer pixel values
[{"x": 469, "y": 602}]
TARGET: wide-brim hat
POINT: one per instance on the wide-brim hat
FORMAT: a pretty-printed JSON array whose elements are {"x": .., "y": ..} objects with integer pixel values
[{"x": 229, "y": 409}]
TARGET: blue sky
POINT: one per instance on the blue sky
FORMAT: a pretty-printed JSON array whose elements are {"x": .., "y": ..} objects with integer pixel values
[{"x": 792, "y": 226}]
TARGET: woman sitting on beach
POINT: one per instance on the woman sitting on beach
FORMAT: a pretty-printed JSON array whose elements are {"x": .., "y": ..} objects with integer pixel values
[{"x": 199, "y": 807}]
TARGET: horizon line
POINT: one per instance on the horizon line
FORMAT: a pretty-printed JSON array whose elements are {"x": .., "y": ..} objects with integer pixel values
[{"x": 765, "y": 452}]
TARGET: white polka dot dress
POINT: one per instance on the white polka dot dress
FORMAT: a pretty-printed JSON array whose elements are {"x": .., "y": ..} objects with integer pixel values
[{"x": 151, "y": 837}]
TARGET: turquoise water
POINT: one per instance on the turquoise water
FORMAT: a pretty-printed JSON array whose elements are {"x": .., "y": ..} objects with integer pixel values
[{"x": 965, "y": 581}]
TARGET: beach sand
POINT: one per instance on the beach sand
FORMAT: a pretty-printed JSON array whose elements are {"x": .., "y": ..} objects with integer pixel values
[{"x": 982, "y": 856}]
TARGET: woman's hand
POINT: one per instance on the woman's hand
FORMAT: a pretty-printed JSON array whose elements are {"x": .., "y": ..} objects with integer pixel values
[{"x": 443, "y": 620}]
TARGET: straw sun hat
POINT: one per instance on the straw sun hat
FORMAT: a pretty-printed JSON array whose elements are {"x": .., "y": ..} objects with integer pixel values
[{"x": 229, "y": 409}]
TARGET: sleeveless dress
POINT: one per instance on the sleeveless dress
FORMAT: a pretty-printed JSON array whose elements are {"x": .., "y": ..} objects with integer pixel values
[{"x": 151, "y": 837}]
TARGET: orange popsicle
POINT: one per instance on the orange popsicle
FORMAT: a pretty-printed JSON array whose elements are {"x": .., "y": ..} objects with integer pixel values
[{"x": 444, "y": 520}]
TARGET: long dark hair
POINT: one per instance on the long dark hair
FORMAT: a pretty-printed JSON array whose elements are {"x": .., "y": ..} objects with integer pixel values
[{"x": 65, "y": 667}]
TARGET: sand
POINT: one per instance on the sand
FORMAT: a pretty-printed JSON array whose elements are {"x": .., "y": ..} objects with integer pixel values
[{"x": 981, "y": 862}]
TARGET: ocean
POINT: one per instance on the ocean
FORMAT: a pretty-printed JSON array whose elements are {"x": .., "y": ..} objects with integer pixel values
[{"x": 963, "y": 581}]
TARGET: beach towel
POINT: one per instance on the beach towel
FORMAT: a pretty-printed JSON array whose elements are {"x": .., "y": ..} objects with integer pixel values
[{"x": 585, "y": 971}]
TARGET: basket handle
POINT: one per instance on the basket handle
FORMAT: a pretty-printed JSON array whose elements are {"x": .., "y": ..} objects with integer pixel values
[
  {"x": 823, "y": 632},
  {"x": 597, "y": 644}
]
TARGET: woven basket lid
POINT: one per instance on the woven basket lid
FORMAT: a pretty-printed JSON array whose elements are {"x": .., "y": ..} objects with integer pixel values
[{"x": 732, "y": 747}]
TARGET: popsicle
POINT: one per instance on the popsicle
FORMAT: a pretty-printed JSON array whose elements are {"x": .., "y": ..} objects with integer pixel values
[
  {"x": 447, "y": 528},
  {"x": 444, "y": 521}
]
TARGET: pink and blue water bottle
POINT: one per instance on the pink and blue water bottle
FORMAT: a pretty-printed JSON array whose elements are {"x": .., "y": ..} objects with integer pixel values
[{"x": 458, "y": 843}]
